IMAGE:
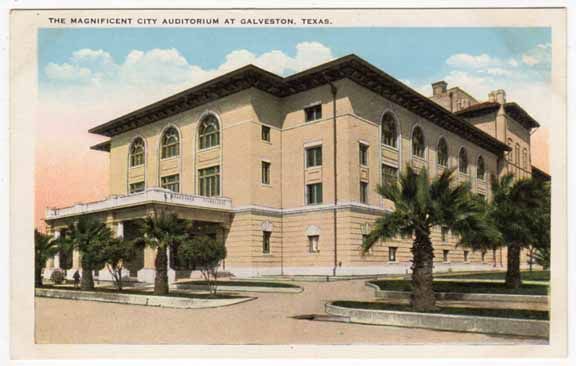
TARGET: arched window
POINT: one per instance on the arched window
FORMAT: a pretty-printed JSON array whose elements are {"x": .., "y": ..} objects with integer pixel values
[
  {"x": 442, "y": 152},
  {"x": 517, "y": 154},
  {"x": 480, "y": 169},
  {"x": 137, "y": 150},
  {"x": 209, "y": 132},
  {"x": 389, "y": 133},
  {"x": 463, "y": 161},
  {"x": 525, "y": 158},
  {"x": 418, "y": 146},
  {"x": 170, "y": 143},
  {"x": 510, "y": 153}
]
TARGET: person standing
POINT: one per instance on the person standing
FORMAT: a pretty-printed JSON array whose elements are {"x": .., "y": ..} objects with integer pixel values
[{"x": 76, "y": 277}]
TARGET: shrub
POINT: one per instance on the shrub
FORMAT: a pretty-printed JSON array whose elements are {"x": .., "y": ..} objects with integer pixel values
[
  {"x": 57, "y": 276},
  {"x": 206, "y": 253}
]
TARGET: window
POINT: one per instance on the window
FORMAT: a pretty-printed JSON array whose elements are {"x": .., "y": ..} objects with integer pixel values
[
  {"x": 210, "y": 181},
  {"x": 137, "y": 153},
  {"x": 517, "y": 154},
  {"x": 418, "y": 146},
  {"x": 314, "y": 193},
  {"x": 444, "y": 234},
  {"x": 389, "y": 134},
  {"x": 313, "y": 246},
  {"x": 314, "y": 156},
  {"x": 265, "y": 172},
  {"x": 480, "y": 169},
  {"x": 266, "y": 242},
  {"x": 466, "y": 255},
  {"x": 445, "y": 254},
  {"x": 363, "y": 154},
  {"x": 509, "y": 153},
  {"x": 369, "y": 251},
  {"x": 170, "y": 143},
  {"x": 483, "y": 256},
  {"x": 209, "y": 132},
  {"x": 463, "y": 161},
  {"x": 442, "y": 153},
  {"x": 136, "y": 187},
  {"x": 313, "y": 113},
  {"x": 392, "y": 254},
  {"x": 363, "y": 192},
  {"x": 266, "y": 133},
  {"x": 389, "y": 174},
  {"x": 171, "y": 182},
  {"x": 525, "y": 158}
]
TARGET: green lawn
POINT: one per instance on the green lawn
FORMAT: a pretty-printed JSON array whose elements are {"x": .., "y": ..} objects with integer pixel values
[
  {"x": 147, "y": 293},
  {"x": 497, "y": 313},
  {"x": 242, "y": 283},
  {"x": 465, "y": 287},
  {"x": 526, "y": 276}
]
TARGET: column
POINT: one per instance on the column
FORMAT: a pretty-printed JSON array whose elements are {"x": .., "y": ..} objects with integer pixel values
[
  {"x": 171, "y": 272},
  {"x": 53, "y": 262},
  {"x": 147, "y": 273},
  {"x": 76, "y": 265}
]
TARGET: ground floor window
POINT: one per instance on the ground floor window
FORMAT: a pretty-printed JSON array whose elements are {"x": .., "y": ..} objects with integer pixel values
[
  {"x": 369, "y": 251},
  {"x": 392, "y": 251},
  {"x": 363, "y": 192},
  {"x": 171, "y": 182},
  {"x": 389, "y": 174},
  {"x": 444, "y": 233},
  {"x": 466, "y": 255},
  {"x": 445, "y": 255},
  {"x": 210, "y": 181},
  {"x": 483, "y": 256},
  {"x": 313, "y": 246},
  {"x": 136, "y": 187},
  {"x": 266, "y": 242}
]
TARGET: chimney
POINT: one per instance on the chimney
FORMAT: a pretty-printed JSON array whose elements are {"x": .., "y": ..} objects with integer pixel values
[
  {"x": 497, "y": 96},
  {"x": 439, "y": 88}
]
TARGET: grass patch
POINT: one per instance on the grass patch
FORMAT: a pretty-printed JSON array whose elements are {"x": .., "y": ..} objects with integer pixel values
[
  {"x": 496, "y": 313},
  {"x": 242, "y": 283},
  {"x": 147, "y": 293},
  {"x": 465, "y": 287},
  {"x": 526, "y": 276}
]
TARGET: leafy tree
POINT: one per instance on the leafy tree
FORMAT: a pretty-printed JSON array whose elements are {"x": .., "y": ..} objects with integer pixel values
[
  {"x": 44, "y": 248},
  {"x": 422, "y": 203},
  {"x": 161, "y": 231},
  {"x": 116, "y": 253},
  {"x": 87, "y": 236},
  {"x": 206, "y": 253},
  {"x": 519, "y": 213},
  {"x": 542, "y": 257}
]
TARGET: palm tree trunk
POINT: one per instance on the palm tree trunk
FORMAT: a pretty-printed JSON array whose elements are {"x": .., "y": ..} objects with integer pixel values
[
  {"x": 423, "y": 298},
  {"x": 513, "y": 279},
  {"x": 38, "y": 276},
  {"x": 87, "y": 279},
  {"x": 161, "y": 279}
]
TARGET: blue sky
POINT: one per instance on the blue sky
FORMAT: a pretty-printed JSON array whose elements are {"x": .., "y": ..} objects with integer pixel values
[{"x": 125, "y": 68}]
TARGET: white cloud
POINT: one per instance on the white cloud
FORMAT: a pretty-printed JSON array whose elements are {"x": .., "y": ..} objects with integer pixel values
[
  {"x": 539, "y": 55},
  {"x": 67, "y": 72},
  {"x": 464, "y": 60}
]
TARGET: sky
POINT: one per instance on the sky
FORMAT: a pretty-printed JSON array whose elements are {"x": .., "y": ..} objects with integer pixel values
[{"x": 88, "y": 76}]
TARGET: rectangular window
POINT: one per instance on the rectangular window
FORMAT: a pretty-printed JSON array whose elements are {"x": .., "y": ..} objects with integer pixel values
[
  {"x": 392, "y": 254},
  {"x": 483, "y": 256},
  {"x": 313, "y": 246},
  {"x": 314, "y": 156},
  {"x": 171, "y": 182},
  {"x": 266, "y": 242},
  {"x": 444, "y": 233},
  {"x": 466, "y": 255},
  {"x": 363, "y": 192},
  {"x": 314, "y": 193},
  {"x": 136, "y": 187},
  {"x": 389, "y": 174},
  {"x": 266, "y": 133},
  {"x": 445, "y": 254},
  {"x": 209, "y": 181},
  {"x": 363, "y": 154},
  {"x": 313, "y": 113},
  {"x": 265, "y": 172}
]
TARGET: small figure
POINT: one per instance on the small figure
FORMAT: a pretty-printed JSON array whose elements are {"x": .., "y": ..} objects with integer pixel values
[{"x": 76, "y": 277}]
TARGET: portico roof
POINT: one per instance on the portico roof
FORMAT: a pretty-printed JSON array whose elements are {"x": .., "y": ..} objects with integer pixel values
[{"x": 351, "y": 67}]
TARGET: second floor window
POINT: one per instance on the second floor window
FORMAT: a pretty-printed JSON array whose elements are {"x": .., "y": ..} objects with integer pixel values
[
  {"x": 363, "y": 192},
  {"x": 363, "y": 149},
  {"x": 209, "y": 181},
  {"x": 480, "y": 169},
  {"x": 265, "y": 133},
  {"x": 171, "y": 182},
  {"x": 265, "y": 172},
  {"x": 136, "y": 187},
  {"x": 209, "y": 132},
  {"x": 389, "y": 174},
  {"x": 314, "y": 156},
  {"x": 137, "y": 153},
  {"x": 170, "y": 143},
  {"x": 313, "y": 113},
  {"x": 418, "y": 146},
  {"x": 463, "y": 161},
  {"x": 442, "y": 153},
  {"x": 389, "y": 134},
  {"x": 314, "y": 193}
]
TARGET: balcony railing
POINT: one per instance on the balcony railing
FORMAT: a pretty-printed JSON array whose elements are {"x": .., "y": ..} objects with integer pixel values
[{"x": 151, "y": 195}]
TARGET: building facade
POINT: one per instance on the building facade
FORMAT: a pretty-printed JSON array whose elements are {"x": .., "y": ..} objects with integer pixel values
[{"x": 285, "y": 170}]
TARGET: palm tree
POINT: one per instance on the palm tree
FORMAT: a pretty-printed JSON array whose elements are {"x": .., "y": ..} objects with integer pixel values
[
  {"x": 518, "y": 210},
  {"x": 162, "y": 231},
  {"x": 87, "y": 235},
  {"x": 420, "y": 205},
  {"x": 44, "y": 248}
]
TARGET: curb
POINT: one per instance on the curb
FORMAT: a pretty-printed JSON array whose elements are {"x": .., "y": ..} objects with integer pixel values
[
  {"x": 290, "y": 290},
  {"x": 457, "y": 323}
]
